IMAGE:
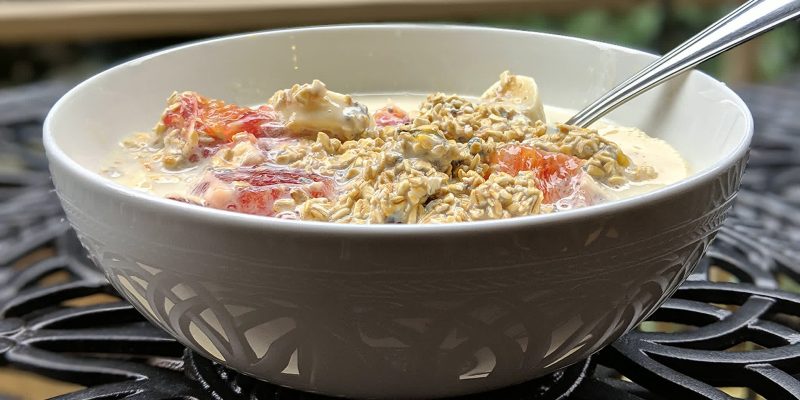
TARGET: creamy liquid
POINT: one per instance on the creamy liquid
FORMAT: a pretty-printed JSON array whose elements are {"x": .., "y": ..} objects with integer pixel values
[{"x": 129, "y": 168}]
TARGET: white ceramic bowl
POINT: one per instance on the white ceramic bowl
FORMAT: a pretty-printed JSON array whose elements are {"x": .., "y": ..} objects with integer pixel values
[{"x": 395, "y": 311}]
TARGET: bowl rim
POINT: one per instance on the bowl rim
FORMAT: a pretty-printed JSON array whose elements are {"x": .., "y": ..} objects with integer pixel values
[{"x": 57, "y": 156}]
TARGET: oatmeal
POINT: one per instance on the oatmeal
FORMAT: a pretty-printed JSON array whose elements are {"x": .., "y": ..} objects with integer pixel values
[{"x": 313, "y": 154}]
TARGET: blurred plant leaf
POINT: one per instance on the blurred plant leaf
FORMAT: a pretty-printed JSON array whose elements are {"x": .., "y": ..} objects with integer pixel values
[
  {"x": 641, "y": 27},
  {"x": 595, "y": 24},
  {"x": 778, "y": 51},
  {"x": 644, "y": 26}
]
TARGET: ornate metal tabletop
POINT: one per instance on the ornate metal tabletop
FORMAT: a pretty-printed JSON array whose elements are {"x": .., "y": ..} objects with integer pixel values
[{"x": 731, "y": 330}]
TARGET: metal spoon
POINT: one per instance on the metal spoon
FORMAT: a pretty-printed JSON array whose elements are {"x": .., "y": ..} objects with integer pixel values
[{"x": 744, "y": 23}]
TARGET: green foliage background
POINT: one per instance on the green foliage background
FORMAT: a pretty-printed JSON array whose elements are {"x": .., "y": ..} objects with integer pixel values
[{"x": 658, "y": 26}]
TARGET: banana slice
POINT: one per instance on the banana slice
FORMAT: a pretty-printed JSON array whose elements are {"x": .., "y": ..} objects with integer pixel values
[
  {"x": 519, "y": 92},
  {"x": 311, "y": 108}
]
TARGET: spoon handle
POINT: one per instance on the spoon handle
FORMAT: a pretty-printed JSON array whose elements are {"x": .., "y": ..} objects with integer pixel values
[{"x": 742, "y": 24}]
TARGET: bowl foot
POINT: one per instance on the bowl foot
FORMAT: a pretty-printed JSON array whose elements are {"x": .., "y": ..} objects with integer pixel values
[{"x": 228, "y": 384}]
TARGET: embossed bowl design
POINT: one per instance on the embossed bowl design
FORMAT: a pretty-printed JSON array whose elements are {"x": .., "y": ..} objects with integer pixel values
[{"x": 395, "y": 311}]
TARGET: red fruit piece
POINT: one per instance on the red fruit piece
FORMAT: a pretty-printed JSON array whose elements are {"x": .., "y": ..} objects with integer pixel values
[
  {"x": 512, "y": 159},
  {"x": 191, "y": 111},
  {"x": 257, "y": 200},
  {"x": 559, "y": 175},
  {"x": 264, "y": 185},
  {"x": 390, "y": 116}
]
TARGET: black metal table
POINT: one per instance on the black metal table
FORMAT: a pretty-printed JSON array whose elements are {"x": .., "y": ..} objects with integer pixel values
[{"x": 734, "y": 324}]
